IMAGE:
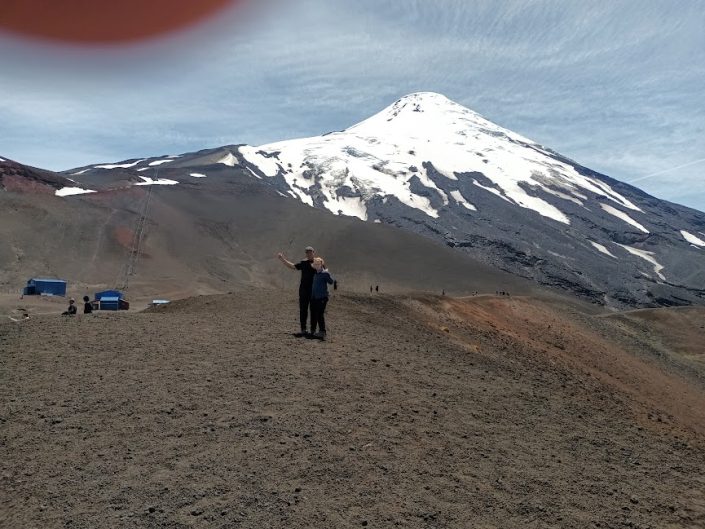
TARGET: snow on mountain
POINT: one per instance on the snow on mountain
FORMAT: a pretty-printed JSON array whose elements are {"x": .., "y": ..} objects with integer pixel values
[
  {"x": 647, "y": 256},
  {"x": 623, "y": 216},
  {"x": 71, "y": 191},
  {"x": 115, "y": 165},
  {"x": 434, "y": 167},
  {"x": 437, "y": 168},
  {"x": 692, "y": 239},
  {"x": 603, "y": 249},
  {"x": 147, "y": 181},
  {"x": 388, "y": 155},
  {"x": 159, "y": 162},
  {"x": 229, "y": 159}
]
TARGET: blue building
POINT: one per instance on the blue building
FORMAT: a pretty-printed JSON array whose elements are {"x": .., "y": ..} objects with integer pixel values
[
  {"x": 47, "y": 287},
  {"x": 110, "y": 300},
  {"x": 109, "y": 303},
  {"x": 108, "y": 293}
]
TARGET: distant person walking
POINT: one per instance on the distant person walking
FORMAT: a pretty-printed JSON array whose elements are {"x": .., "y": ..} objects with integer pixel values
[
  {"x": 87, "y": 305},
  {"x": 319, "y": 298},
  {"x": 306, "y": 285}
]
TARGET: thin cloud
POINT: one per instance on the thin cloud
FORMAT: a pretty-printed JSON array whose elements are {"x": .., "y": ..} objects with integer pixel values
[{"x": 669, "y": 170}]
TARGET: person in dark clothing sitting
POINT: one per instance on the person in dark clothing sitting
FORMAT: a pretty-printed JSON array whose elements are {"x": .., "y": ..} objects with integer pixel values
[
  {"x": 71, "y": 311},
  {"x": 307, "y": 273},
  {"x": 319, "y": 298},
  {"x": 87, "y": 305}
]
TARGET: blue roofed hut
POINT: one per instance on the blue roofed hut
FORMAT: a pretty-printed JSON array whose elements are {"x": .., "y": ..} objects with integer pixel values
[
  {"x": 110, "y": 300},
  {"x": 45, "y": 287}
]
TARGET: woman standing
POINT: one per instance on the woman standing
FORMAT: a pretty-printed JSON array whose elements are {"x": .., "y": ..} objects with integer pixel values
[{"x": 319, "y": 297}]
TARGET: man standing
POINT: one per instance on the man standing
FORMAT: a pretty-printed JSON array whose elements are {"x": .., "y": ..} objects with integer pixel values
[{"x": 306, "y": 285}]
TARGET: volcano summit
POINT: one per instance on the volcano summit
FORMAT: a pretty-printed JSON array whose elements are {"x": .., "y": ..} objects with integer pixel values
[{"x": 436, "y": 168}]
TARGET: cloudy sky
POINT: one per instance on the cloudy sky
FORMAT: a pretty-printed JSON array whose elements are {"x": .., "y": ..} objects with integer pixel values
[{"x": 617, "y": 86}]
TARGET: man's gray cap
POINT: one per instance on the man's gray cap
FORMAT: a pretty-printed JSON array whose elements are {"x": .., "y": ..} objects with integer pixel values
[{"x": 309, "y": 249}]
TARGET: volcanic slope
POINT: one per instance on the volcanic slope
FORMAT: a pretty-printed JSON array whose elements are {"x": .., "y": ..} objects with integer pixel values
[
  {"x": 433, "y": 167},
  {"x": 419, "y": 411},
  {"x": 17, "y": 177},
  {"x": 177, "y": 241}
]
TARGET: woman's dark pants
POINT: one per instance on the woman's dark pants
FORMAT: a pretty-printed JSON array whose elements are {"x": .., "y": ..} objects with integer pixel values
[{"x": 318, "y": 308}]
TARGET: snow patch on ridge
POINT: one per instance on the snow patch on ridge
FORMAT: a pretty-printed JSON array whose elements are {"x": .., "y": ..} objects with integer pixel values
[
  {"x": 69, "y": 191},
  {"x": 197, "y": 175},
  {"x": 114, "y": 166},
  {"x": 491, "y": 190},
  {"x": 647, "y": 256},
  {"x": 253, "y": 173},
  {"x": 692, "y": 239},
  {"x": 159, "y": 182},
  {"x": 160, "y": 162},
  {"x": 603, "y": 249},
  {"x": 229, "y": 160},
  {"x": 460, "y": 199},
  {"x": 623, "y": 216}
]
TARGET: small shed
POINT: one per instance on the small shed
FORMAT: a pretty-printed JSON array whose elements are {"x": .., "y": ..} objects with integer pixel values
[
  {"x": 109, "y": 303},
  {"x": 46, "y": 287},
  {"x": 108, "y": 293},
  {"x": 110, "y": 300}
]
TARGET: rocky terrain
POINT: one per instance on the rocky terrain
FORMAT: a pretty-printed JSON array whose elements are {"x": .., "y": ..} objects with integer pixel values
[{"x": 419, "y": 411}]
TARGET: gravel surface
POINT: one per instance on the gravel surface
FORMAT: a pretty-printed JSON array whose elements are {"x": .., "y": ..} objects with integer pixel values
[{"x": 417, "y": 412}]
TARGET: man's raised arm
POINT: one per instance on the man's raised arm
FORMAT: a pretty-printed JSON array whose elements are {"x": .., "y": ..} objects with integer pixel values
[{"x": 286, "y": 263}]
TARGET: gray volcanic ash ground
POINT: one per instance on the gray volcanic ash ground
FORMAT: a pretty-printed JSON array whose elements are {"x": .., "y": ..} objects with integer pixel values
[{"x": 420, "y": 411}]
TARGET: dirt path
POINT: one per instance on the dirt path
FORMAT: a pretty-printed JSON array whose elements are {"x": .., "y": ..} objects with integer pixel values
[{"x": 210, "y": 413}]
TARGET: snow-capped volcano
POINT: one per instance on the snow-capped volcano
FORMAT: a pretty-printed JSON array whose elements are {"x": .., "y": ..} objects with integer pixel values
[
  {"x": 434, "y": 167},
  {"x": 391, "y": 154}
]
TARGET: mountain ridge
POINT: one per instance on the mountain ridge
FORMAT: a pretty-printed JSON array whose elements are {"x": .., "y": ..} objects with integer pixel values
[{"x": 431, "y": 166}]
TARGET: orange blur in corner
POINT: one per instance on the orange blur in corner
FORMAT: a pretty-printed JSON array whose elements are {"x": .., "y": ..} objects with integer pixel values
[{"x": 104, "y": 21}]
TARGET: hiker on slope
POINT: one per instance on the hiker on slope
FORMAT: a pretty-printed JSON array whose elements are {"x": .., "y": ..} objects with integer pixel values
[{"x": 307, "y": 273}]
